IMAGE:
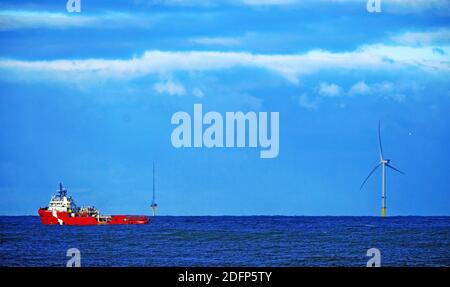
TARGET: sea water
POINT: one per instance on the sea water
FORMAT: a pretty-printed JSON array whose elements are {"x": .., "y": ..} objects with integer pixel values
[{"x": 230, "y": 241}]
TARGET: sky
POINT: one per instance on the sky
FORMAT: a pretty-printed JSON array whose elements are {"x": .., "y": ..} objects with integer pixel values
[{"x": 87, "y": 99}]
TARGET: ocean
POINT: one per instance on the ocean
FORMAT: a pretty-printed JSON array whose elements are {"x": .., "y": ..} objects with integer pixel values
[{"x": 230, "y": 241}]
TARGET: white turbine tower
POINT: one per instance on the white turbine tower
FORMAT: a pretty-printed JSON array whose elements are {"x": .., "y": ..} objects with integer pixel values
[
  {"x": 384, "y": 163},
  {"x": 153, "y": 205}
]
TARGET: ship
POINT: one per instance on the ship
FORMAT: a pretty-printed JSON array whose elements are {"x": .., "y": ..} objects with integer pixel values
[{"x": 62, "y": 210}]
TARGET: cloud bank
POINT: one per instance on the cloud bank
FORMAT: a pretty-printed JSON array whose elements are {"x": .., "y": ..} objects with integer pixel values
[
  {"x": 289, "y": 66},
  {"x": 30, "y": 19}
]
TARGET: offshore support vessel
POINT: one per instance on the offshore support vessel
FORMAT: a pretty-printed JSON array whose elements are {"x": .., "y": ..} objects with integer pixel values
[{"x": 63, "y": 211}]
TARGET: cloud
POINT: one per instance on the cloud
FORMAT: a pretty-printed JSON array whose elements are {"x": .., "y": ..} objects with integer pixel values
[
  {"x": 391, "y": 6},
  {"x": 216, "y": 41},
  {"x": 170, "y": 88},
  {"x": 329, "y": 90},
  {"x": 306, "y": 103},
  {"x": 360, "y": 88},
  {"x": 441, "y": 36},
  {"x": 289, "y": 66},
  {"x": 399, "y": 98},
  {"x": 416, "y": 6},
  {"x": 269, "y": 2},
  {"x": 27, "y": 19},
  {"x": 198, "y": 93},
  {"x": 405, "y": 6},
  {"x": 23, "y": 18},
  {"x": 208, "y": 3},
  {"x": 384, "y": 89}
]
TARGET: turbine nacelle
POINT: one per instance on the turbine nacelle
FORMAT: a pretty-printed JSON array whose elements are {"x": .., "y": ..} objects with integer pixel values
[{"x": 385, "y": 161}]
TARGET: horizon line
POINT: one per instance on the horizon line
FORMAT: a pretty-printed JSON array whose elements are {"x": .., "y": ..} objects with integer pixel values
[{"x": 262, "y": 215}]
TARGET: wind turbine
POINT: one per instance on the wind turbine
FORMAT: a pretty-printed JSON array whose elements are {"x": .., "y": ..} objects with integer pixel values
[
  {"x": 153, "y": 205},
  {"x": 384, "y": 163}
]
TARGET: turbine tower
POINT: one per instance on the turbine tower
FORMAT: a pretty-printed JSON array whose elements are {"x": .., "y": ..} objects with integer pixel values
[
  {"x": 153, "y": 205},
  {"x": 384, "y": 163}
]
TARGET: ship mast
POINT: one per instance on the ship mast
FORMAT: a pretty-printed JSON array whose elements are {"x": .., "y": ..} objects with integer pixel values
[
  {"x": 62, "y": 191},
  {"x": 153, "y": 205}
]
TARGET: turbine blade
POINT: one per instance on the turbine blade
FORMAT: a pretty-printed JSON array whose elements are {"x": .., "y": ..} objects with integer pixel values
[
  {"x": 380, "y": 146},
  {"x": 373, "y": 170},
  {"x": 388, "y": 165}
]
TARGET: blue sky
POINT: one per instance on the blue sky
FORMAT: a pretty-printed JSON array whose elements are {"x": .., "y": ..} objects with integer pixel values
[{"x": 87, "y": 99}]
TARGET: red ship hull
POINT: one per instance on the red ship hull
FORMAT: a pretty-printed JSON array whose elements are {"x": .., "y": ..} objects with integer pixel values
[{"x": 49, "y": 217}]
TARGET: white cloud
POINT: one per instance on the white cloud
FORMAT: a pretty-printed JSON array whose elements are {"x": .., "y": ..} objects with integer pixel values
[
  {"x": 390, "y": 6},
  {"x": 171, "y": 88},
  {"x": 409, "y": 5},
  {"x": 329, "y": 90},
  {"x": 183, "y": 3},
  {"x": 383, "y": 87},
  {"x": 18, "y": 19},
  {"x": 289, "y": 66},
  {"x": 399, "y": 98},
  {"x": 24, "y": 19},
  {"x": 416, "y": 6},
  {"x": 360, "y": 88},
  {"x": 269, "y": 2},
  {"x": 387, "y": 90},
  {"x": 440, "y": 36},
  {"x": 216, "y": 41},
  {"x": 198, "y": 93},
  {"x": 306, "y": 103}
]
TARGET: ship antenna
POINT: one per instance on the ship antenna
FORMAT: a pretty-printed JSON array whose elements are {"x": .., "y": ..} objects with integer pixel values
[
  {"x": 62, "y": 191},
  {"x": 153, "y": 205}
]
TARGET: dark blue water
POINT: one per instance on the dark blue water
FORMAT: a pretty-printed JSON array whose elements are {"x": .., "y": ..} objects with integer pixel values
[{"x": 231, "y": 241}]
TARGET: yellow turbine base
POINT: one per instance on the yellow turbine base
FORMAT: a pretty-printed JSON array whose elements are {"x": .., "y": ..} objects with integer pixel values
[
  {"x": 383, "y": 212},
  {"x": 153, "y": 211}
]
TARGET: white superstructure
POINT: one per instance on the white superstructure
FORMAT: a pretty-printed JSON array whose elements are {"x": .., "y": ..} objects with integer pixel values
[{"x": 61, "y": 202}]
